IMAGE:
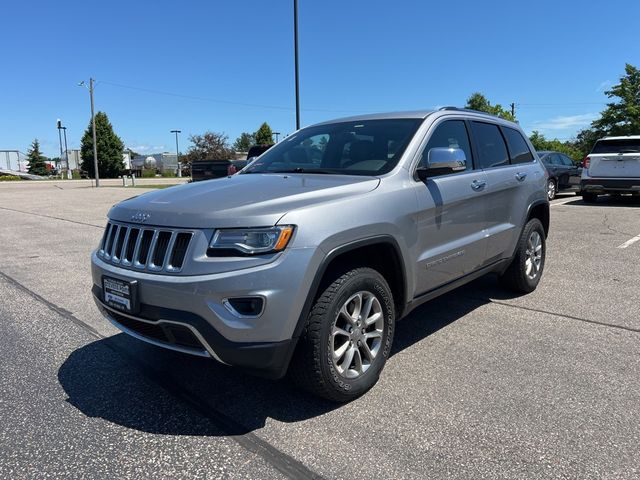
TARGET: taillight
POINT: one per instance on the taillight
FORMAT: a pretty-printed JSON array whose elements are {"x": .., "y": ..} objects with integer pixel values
[
  {"x": 231, "y": 169},
  {"x": 586, "y": 162}
]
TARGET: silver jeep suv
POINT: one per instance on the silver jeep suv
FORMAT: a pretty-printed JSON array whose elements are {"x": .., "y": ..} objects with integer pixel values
[{"x": 303, "y": 262}]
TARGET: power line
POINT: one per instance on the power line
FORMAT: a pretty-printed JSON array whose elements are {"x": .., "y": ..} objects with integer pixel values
[
  {"x": 559, "y": 104},
  {"x": 226, "y": 102}
]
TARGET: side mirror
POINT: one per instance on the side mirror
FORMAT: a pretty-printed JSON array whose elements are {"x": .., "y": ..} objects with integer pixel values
[{"x": 442, "y": 161}]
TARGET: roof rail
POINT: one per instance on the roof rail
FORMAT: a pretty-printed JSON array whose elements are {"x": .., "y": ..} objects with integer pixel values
[{"x": 467, "y": 110}]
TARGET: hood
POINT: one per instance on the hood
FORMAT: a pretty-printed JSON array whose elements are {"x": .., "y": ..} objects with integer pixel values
[{"x": 246, "y": 200}]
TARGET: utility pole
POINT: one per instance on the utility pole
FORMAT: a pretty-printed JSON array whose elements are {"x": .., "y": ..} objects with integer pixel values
[
  {"x": 295, "y": 42},
  {"x": 59, "y": 125},
  {"x": 513, "y": 110},
  {"x": 177, "y": 154}
]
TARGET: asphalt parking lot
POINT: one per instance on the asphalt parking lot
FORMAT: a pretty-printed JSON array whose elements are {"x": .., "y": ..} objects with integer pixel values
[{"x": 481, "y": 384}]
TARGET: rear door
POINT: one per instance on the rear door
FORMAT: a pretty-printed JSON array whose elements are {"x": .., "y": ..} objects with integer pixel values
[
  {"x": 450, "y": 216},
  {"x": 619, "y": 157},
  {"x": 571, "y": 177},
  {"x": 507, "y": 170}
]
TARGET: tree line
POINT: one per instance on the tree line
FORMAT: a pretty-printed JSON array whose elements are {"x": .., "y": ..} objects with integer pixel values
[{"x": 620, "y": 117}]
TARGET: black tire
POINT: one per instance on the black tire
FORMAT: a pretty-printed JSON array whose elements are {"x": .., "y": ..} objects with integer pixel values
[
  {"x": 552, "y": 189},
  {"x": 515, "y": 277},
  {"x": 590, "y": 197},
  {"x": 313, "y": 367}
]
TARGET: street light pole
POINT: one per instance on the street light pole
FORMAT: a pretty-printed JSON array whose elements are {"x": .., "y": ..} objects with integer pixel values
[
  {"x": 95, "y": 142},
  {"x": 66, "y": 151},
  {"x": 295, "y": 42},
  {"x": 59, "y": 125},
  {"x": 177, "y": 154}
]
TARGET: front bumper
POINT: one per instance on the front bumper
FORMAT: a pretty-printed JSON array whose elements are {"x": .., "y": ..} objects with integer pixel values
[
  {"x": 187, "y": 313},
  {"x": 188, "y": 333},
  {"x": 610, "y": 185}
]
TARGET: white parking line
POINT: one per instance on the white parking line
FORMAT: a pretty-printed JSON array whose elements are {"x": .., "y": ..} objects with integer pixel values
[
  {"x": 563, "y": 201},
  {"x": 629, "y": 242}
]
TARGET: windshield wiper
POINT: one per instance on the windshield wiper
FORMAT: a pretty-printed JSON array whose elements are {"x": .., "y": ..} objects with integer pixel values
[{"x": 630, "y": 150}]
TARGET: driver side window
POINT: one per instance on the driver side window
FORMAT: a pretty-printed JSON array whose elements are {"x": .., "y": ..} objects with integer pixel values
[{"x": 449, "y": 134}]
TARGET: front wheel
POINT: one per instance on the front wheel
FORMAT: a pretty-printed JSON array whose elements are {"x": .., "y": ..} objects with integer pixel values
[
  {"x": 347, "y": 338},
  {"x": 525, "y": 270}
]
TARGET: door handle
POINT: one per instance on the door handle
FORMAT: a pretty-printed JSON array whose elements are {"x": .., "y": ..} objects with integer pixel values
[
  {"x": 478, "y": 184},
  {"x": 520, "y": 176}
]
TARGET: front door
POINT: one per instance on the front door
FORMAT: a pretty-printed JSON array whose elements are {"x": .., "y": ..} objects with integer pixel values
[{"x": 451, "y": 213}]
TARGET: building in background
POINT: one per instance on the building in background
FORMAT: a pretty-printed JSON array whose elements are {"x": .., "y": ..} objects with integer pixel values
[
  {"x": 75, "y": 160},
  {"x": 160, "y": 162},
  {"x": 13, "y": 160}
]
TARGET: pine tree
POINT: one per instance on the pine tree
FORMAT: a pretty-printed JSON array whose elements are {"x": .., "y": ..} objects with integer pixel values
[
  {"x": 37, "y": 165},
  {"x": 264, "y": 135},
  {"x": 110, "y": 149},
  {"x": 244, "y": 142}
]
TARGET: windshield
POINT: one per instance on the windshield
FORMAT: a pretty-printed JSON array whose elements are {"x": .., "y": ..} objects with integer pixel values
[
  {"x": 621, "y": 145},
  {"x": 369, "y": 147}
]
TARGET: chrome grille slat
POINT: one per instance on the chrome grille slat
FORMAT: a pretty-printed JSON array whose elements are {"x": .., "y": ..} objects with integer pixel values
[
  {"x": 114, "y": 240},
  {"x": 153, "y": 249},
  {"x": 109, "y": 242},
  {"x": 123, "y": 250},
  {"x": 129, "y": 245},
  {"x": 167, "y": 254}
]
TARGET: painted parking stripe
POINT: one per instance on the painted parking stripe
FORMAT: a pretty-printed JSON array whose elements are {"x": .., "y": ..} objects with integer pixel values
[
  {"x": 562, "y": 202},
  {"x": 630, "y": 242}
]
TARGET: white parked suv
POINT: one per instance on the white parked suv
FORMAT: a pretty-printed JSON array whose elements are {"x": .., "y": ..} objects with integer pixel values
[{"x": 613, "y": 166}]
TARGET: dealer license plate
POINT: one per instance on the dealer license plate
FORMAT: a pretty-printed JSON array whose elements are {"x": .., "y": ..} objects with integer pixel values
[{"x": 120, "y": 294}]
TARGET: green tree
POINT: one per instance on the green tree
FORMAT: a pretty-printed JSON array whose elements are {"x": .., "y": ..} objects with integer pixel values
[
  {"x": 477, "y": 101},
  {"x": 244, "y": 142},
  {"x": 264, "y": 135},
  {"x": 623, "y": 116},
  {"x": 541, "y": 143},
  {"x": 110, "y": 149},
  {"x": 37, "y": 165},
  {"x": 209, "y": 146}
]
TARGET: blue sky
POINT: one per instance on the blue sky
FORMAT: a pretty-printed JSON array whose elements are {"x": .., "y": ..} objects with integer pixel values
[{"x": 229, "y": 64}]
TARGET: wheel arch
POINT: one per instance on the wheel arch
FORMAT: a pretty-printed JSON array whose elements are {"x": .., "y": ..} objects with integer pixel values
[
  {"x": 380, "y": 252},
  {"x": 540, "y": 210}
]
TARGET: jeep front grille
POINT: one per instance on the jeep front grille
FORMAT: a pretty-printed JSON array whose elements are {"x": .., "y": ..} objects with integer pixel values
[{"x": 154, "y": 249}]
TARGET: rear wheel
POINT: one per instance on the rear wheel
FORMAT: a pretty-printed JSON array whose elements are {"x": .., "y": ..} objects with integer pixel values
[
  {"x": 525, "y": 271},
  {"x": 590, "y": 197},
  {"x": 551, "y": 189},
  {"x": 347, "y": 338}
]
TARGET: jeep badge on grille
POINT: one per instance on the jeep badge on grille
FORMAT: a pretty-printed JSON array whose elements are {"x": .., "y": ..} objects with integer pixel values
[{"x": 140, "y": 217}]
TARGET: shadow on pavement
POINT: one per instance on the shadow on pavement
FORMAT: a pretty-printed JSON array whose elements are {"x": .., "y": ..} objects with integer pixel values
[
  {"x": 139, "y": 386},
  {"x": 608, "y": 201}
]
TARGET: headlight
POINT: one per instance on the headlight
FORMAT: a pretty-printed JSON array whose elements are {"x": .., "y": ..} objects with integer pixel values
[{"x": 251, "y": 241}]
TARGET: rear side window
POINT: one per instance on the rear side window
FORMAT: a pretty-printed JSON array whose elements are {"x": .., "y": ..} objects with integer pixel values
[
  {"x": 518, "y": 148},
  {"x": 492, "y": 151},
  {"x": 449, "y": 134},
  {"x": 566, "y": 161},
  {"x": 623, "y": 145}
]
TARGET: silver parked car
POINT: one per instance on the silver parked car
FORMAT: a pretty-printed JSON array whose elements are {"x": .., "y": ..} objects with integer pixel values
[
  {"x": 303, "y": 262},
  {"x": 613, "y": 166}
]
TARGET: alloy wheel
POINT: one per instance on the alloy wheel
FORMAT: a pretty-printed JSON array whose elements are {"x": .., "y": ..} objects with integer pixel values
[
  {"x": 533, "y": 255},
  {"x": 356, "y": 334},
  {"x": 551, "y": 189}
]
